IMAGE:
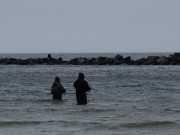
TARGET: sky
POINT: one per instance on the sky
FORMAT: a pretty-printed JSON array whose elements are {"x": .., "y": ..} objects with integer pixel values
[{"x": 89, "y": 26}]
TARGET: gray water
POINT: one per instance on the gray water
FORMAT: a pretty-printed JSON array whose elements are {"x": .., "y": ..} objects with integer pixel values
[{"x": 124, "y": 100}]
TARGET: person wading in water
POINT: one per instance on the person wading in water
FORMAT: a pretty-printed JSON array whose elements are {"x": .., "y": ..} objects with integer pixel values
[
  {"x": 57, "y": 89},
  {"x": 81, "y": 87}
]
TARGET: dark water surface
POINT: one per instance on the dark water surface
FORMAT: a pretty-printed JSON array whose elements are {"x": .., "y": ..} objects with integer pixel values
[{"x": 125, "y": 100}]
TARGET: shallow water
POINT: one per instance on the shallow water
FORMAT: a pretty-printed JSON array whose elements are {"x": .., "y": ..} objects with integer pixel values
[{"x": 124, "y": 100}]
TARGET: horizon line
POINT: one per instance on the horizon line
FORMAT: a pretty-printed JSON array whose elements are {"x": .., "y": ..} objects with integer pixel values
[{"x": 76, "y": 52}]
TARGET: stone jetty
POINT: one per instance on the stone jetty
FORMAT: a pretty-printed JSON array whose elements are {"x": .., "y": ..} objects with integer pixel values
[{"x": 117, "y": 60}]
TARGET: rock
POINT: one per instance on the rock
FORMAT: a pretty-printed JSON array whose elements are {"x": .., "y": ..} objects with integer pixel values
[
  {"x": 174, "y": 58},
  {"x": 40, "y": 61},
  {"x": 9, "y": 61},
  {"x": 119, "y": 57},
  {"x": 176, "y": 55},
  {"x": 90, "y": 61},
  {"x": 73, "y": 61},
  {"x": 77, "y": 61},
  {"x": 127, "y": 59},
  {"x": 111, "y": 61},
  {"x": 142, "y": 61},
  {"x": 31, "y": 61},
  {"x": 159, "y": 60},
  {"x": 102, "y": 60},
  {"x": 170, "y": 56},
  {"x": 81, "y": 61},
  {"x": 117, "y": 60},
  {"x": 152, "y": 59},
  {"x": 178, "y": 61},
  {"x": 23, "y": 62},
  {"x": 164, "y": 62}
]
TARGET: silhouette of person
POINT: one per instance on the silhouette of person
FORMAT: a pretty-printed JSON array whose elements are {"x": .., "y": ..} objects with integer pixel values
[
  {"x": 49, "y": 56},
  {"x": 81, "y": 87},
  {"x": 57, "y": 89}
]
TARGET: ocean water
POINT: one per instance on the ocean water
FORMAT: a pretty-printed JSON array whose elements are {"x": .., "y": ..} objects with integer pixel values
[{"x": 124, "y": 100}]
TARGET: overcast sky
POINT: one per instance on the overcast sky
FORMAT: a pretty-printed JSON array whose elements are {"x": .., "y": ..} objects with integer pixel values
[{"x": 65, "y": 26}]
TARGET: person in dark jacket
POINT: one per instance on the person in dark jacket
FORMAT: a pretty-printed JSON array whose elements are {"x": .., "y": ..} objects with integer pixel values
[
  {"x": 81, "y": 87},
  {"x": 57, "y": 89}
]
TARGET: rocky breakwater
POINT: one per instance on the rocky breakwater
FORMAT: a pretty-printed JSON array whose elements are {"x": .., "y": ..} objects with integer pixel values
[
  {"x": 117, "y": 60},
  {"x": 31, "y": 61}
]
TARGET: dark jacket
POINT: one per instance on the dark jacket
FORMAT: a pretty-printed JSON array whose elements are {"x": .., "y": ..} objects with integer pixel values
[
  {"x": 57, "y": 90},
  {"x": 81, "y": 87}
]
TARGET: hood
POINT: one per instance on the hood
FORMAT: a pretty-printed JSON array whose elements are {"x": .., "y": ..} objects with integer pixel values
[
  {"x": 81, "y": 76},
  {"x": 55, "y": 83}
]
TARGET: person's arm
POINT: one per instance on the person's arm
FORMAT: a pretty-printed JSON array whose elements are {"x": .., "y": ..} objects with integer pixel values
[
  {"x": 61, "y": 88},
  {"x": 87, "y": 86}
]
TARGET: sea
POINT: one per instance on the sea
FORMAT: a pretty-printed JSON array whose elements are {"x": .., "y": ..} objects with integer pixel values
[{"x": 124, "y": 100}]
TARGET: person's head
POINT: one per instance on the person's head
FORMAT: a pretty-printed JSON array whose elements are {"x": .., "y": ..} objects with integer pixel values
[
  {"x": 81, "y": 76},
  {"x": 57, "y": 79}
]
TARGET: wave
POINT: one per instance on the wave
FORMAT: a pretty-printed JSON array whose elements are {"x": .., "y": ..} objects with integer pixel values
[
  {"x": 151, "y": 124},
  {"x": 95, "y": 125},
  {"x": 132, "y": 85},
  {"x": 20, "y": 123},
  {"x": 56, "y": 122},
  {"x": 10, "y": 123}
]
